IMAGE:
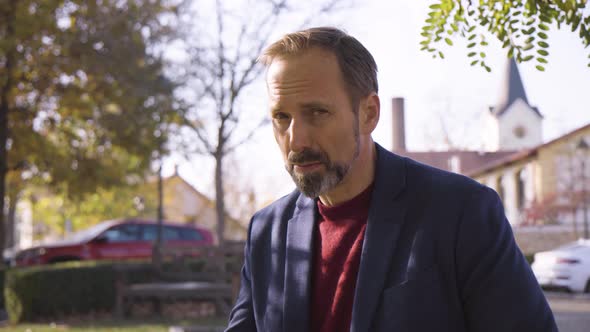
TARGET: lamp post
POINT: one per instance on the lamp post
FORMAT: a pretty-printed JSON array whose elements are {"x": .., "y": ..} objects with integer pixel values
[{"x": 583, "y": 148}]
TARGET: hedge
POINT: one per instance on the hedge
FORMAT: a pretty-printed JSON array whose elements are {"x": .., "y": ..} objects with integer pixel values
[{"x": 50, "y": 291}]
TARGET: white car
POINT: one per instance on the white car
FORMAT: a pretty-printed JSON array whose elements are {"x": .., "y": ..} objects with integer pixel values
[{"x": 566, "y": 267}]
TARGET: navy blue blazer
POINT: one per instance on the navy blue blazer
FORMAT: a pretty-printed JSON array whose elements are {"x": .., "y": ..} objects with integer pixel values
[{"x": 438, "y": 255}]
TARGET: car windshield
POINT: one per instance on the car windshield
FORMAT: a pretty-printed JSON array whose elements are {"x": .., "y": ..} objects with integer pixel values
[{"x": 89, "y": 233}]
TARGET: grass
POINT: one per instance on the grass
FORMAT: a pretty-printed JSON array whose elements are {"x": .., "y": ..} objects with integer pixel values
[{"x": 115, "y": 325}]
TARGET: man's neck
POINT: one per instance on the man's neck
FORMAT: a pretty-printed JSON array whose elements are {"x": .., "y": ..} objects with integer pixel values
[{"x": 359, "y": 177}]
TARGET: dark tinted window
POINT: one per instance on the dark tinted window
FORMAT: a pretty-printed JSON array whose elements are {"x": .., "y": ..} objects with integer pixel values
[
  {"x": 171, "y": 233},
  {"x": 150, "y": 232},
  {"x": 122, "y": 233},
  {"x": 191, "y": 234}
]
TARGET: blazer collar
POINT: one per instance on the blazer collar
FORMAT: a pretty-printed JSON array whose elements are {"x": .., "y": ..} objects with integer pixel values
[
  {"x": 299, "y": 258},
  {"x": 386, "y": 215}
]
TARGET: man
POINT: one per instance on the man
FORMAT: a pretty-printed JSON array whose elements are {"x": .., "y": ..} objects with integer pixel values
[{"x": 371, "y": 241}]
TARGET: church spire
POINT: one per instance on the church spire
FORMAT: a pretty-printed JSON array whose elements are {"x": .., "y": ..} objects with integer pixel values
[{"x": 511, "y": 90}]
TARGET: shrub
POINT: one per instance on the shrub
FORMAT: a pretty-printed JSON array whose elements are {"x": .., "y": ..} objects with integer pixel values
[{"x": 68, "y": 288}]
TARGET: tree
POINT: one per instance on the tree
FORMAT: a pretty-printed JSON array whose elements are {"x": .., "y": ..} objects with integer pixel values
[
  {"x": 520, "y": 25},
  {"x": 104, "y": 204},
  {"x": 84, "y": 102},
  {"x": 221, "y": 67}
]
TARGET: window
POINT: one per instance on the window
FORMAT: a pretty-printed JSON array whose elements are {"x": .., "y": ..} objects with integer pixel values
[
  {"x": 122, "y": 233},
  {"x": 170, "y": 233},
  {"x": 190, "y": 234},
  {"x": 150, "y": 232}
]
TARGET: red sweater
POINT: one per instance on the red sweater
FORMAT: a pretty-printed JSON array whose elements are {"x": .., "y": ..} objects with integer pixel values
[{"x": 338, "y": 244}]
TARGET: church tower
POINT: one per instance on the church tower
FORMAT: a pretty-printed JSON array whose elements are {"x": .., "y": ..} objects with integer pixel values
[{"x": 513, "y": 124}]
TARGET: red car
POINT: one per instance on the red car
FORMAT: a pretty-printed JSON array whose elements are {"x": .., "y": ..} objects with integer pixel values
[{"x": 114, "y": 240}]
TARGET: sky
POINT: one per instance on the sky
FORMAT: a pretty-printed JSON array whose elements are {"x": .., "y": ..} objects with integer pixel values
[{"x": 435, "y": 90}]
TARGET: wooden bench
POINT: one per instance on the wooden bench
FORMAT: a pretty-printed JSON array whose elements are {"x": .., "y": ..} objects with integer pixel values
[{"x": 208, "y": 274}]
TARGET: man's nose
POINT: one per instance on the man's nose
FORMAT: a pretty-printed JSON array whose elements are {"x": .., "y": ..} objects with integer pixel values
[{"x": 299, "y": 136}]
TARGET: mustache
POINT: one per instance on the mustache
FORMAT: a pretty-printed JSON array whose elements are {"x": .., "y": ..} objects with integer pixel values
[{"x": 306, "y": 156}]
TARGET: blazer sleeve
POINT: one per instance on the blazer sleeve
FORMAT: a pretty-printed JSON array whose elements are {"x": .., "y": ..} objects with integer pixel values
[
  {"x": 497, "y": 287},
  {"x": 241, "y": 318}
]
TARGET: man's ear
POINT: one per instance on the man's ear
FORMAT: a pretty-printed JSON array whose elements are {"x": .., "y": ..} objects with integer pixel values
[{"x": 369, "y": 112}]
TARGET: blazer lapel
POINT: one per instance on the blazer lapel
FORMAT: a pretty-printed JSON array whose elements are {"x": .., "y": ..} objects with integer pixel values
[
  {"x": 298, "y": 266},
  {"x": 386, "y": 215}
]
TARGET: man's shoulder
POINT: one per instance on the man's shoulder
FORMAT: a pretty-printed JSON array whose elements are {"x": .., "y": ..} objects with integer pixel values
[
  {"x": 427, "y": 179},
  {"x": 438, "y": 176},
  {"x": 280, "y": 207}
]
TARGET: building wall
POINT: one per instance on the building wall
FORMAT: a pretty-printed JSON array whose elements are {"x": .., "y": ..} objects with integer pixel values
[
  {"x": 491, "y": 138},
  {"x": 507, "y": 177},
  {"x": 551, "y": 159},
  {"x": 183, "y": 204},
  {"x": 519, "y": 114}
]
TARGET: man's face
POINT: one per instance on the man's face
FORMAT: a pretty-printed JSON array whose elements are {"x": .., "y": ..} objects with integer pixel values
[{"x": 313, "y": 119}]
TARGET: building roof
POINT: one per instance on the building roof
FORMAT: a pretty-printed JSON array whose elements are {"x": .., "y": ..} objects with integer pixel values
[
  {"x": 205, "y": 198},
  {"x": 523, "y": 154},
  {"x": 468, "y": 160},
  {"x": 511, "y": 90}
]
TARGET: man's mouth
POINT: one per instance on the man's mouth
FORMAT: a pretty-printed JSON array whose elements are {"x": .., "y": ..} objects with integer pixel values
[{"x": 307, "y": 167}]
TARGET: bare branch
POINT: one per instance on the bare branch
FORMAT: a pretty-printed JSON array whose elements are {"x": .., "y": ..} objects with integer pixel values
[{"x": 248, "y": 137}]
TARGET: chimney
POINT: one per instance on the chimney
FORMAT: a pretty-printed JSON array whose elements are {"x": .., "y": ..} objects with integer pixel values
[{"x": 398, "y": 122}]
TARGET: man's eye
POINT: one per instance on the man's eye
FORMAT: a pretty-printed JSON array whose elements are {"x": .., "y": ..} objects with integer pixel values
[
  {"x": 280, "y": 116},
  {"x": 319, "y": 111}
]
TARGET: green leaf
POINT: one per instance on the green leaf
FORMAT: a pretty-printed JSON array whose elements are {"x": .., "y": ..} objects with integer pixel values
[
  {"x": 543, "y": 52},
  {"x": 471, "y": 45},
  {"x": 488, "y": 69},
  {"x": 542, "y": 60},
  {"x": 448, "y": 41},
  {"x": 435, "y": 6},
  {"x": 472, "y": 37},
  {"x": 529, "y": 40},
  {"x": 528, "y": 47},
  {"x": 527, "y": 58},
  {"x": 454, "y": 27},
  {"x": 482, "y": 54},
  {"x": 540, "y": 68},
  {"x": 441, "y": 55},
  {"x": 542, "y": 35},
  {"x": 473, "y": 63},
  {"x": 543, "y": 44},
  {"x": 484, "y": 43},
  {"x": 471, "y": 54},
  {"x": 543, "y": 27},
  {"x": 471, "y": 28},
  {"x": 545, "y": 18}
]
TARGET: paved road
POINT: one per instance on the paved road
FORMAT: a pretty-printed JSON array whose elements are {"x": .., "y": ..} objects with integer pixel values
[{"x": 572, "y": 311}]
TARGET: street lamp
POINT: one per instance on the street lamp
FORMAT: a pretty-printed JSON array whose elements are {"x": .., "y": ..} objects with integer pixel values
[{"x": 583, "y": 148}]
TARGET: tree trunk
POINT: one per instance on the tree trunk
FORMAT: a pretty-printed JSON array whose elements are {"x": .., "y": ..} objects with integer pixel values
[
  {"x": 11, "y": 218},
  {"x": 4, "y": 107},
  {"x": 219, "y": 197}
]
